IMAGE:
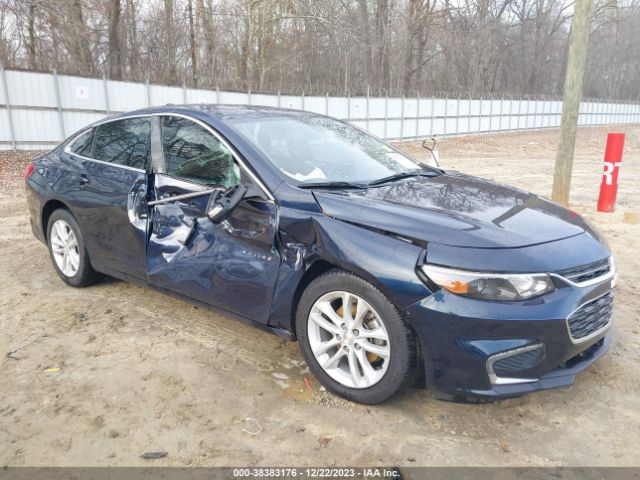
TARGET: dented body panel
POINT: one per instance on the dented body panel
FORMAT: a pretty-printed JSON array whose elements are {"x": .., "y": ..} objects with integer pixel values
[
  {"x": 232, "y": 265},
  {"x": 385, "y": 262}
]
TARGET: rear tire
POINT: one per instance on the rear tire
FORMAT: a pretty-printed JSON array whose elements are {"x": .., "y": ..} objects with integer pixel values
[
  {"x": 68, "y": 251},
  {"x": 376, "y": 351}
]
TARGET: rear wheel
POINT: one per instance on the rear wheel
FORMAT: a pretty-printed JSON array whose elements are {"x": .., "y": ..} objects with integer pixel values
[
  {"x": 354, "y": 339},
  {"x": 68, "y": 251}
]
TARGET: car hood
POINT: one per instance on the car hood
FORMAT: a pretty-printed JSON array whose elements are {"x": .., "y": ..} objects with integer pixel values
[{"x": 454, "y": 209}]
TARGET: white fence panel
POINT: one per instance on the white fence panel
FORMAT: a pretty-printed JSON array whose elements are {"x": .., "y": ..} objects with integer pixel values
[
  {"x": 32, "y": 89},
  {"x": 357, "y": 107},
  {"x": 201, "y": 96},
  {"x": 377, "y": 127},
  {"x": 44, "y": 108},
  {"x": 74, "y": 121},
  {"x": 315, "y": 104},
  {"x": 5, "y": 127},
  {"x": 291, "y": 101},
  {"x": 394, "y": 109},
  {"x": 262, "y": 99},
  {"x": 40, "y": 126},
  {"x": 393, "y": 128},
  {"x": 338, "y": 107},
  {"x": 125, "y": 96},
  {"x": 424, "y": 127},
  {"x": 377, "y": 108},
  {"x": 161, "y": 95},
  {"x": 234, "y": 98},
  {"x": 463, "y": 107},
  {"x": 81, "y": 93}
]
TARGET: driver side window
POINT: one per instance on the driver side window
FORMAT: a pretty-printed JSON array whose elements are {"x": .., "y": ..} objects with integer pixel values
[{"x": 192, "y": 153}]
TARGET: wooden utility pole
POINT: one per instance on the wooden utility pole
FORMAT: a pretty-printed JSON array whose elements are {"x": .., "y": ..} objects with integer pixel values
[
  {"x": 571, "y": 100},
  {"x": 192, "y": 44}
]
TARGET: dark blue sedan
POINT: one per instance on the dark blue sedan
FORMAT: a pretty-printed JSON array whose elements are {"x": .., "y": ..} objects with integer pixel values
[{"x": 389, "y": 272}]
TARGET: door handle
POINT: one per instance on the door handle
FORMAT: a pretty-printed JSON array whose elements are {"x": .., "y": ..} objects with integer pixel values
[{"x": 83, "y": 179}]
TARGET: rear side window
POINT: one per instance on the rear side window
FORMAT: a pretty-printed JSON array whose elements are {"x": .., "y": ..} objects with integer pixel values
[
  {"x": 82, "y": 144},
  {"x": 123, "y": 142},
  {"x": 192, "y": 153}
]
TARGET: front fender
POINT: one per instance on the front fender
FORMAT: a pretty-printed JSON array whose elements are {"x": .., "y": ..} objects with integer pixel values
[{"x": 383, "y": 260}]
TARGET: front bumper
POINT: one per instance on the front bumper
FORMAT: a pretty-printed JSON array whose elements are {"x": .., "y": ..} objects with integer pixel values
[
  {"x": 562, "y": 376},
  {"x": 460, "y": 336}
]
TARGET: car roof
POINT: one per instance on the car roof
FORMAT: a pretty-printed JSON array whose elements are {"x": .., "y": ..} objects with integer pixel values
[{"x": 223, "y": 112}]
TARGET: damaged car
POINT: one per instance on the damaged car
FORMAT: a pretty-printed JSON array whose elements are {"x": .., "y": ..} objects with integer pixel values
[{"x": 388, "y": 272}]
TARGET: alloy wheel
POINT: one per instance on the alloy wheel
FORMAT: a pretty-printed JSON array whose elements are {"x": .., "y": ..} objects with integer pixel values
[
  {"x": 64, "y": 246},
  {"x": 348, "y": 339}
]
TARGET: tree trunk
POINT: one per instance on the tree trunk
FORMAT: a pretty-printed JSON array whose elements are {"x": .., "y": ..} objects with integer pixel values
[
  {"x": 368, "y": 48},
  {"x": 170, "y": 46},
  {"x": 247, "y": 44},
  {"x": 81, "y": 40},
  {"x": 115, "y": 51},
  {"x": 192, "y": 44},
  {"x": 411, "y": 33},
  {"x": 32, "y": 36},
  {"x": 133, "y": 57},
  {"x": 382, "y": 32}
]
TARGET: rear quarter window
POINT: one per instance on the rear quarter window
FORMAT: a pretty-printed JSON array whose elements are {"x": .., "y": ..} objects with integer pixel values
[{"x": 82, "y": 144}]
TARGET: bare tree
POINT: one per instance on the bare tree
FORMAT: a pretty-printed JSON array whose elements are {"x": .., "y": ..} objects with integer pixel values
[
  {"x": 192, "y": 44},
  {"x": 115, "y": 50},
  {"x": 327, "y": 46}
]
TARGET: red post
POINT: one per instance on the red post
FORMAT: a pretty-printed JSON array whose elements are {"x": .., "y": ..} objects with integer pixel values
[{"x": 612, "y": 160}]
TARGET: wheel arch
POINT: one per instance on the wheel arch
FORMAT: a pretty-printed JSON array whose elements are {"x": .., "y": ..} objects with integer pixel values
[
  {"x": 47, "y": 210},
  {"x": 322, "y": 266},
  {"x": 389, "y": 314},
  {"x": 324, "y": 243},
  {"x": 316, "y": 269}
]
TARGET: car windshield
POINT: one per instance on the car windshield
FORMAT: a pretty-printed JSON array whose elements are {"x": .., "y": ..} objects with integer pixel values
[{"x": 315, "y": 149}]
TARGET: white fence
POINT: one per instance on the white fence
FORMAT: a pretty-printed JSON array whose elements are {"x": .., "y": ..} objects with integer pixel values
[{"x": 38, "y": 110}]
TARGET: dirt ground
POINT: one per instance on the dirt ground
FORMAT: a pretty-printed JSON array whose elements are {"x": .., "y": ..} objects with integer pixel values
[{"x": 101, "y": 375}]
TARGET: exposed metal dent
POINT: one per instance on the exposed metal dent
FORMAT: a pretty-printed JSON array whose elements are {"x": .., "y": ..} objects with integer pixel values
[
  {"x": 137, "y": 210},
  {"x": 454, "y": 210},
  {"x": 380, "y": 258},
  {"x": 388, "y": 233},
  {"x": 232, "y": 265}
]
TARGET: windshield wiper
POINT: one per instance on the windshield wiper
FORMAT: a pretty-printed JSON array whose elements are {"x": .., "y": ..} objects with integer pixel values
[
  {"x": 330, "y": 185},
  {"x": 400, "y": 176}
]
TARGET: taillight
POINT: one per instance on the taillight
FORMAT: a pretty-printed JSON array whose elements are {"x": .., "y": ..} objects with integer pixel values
[{"x": 28, "y": 172}]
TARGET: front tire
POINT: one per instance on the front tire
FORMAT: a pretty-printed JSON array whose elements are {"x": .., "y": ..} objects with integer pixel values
[
  {"x": 354, "y": 340},
  {"x": 67, "y": 250}
]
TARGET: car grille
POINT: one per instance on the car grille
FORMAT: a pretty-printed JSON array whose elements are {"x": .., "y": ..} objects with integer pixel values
[
  {"x": 591, "y": 317},
  {"x": 587, "y": 272},
  {"x": 520, "y": 361}
]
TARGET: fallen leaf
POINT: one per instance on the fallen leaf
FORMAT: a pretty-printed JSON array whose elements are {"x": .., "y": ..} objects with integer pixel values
[
  {"x": 324, "y": 441},
  {"x": 504, "y": 446}
]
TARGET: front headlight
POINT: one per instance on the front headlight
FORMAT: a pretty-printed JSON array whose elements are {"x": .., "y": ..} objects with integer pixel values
[{"x": 490, "y": 286}]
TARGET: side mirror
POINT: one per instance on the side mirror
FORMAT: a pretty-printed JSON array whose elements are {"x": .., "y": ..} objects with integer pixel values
[
  {"x": 430, "y": 144},
  {"x": 222, "y": 203}
]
